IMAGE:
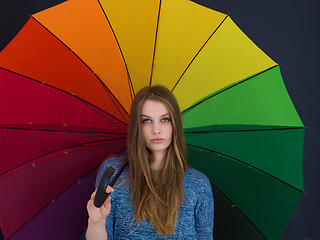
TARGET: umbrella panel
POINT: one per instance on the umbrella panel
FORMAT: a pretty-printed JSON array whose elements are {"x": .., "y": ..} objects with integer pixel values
[
  {"x": 263, "y": 199},
  {"x": 260, "y": 99},
  {"x": 230, "y": 223},
  {"x": 35, "y": 144},
  {"x": 134, "y": 23},
  {"x": 184, "y": 27},
  {"x": 42, "y": 120},
  {"x": 89, "y": 36},
  {"x": 31, "y": 187},
  {"x": 37, "y": 54},
  {"x": 227, "y": 58},
  {"x": 53, "y": 222},
  {"x": 276, "y": 152},
  {"x": 30, "y": 104}
]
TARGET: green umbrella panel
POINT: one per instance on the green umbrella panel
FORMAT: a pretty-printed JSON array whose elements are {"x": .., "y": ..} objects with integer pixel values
[{"x": 248, "y": 139}]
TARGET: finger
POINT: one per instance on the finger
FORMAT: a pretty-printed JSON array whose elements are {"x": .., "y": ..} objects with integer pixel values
[
  {"x": 93, "y": 195},
  {"x": 89, "y": 203},
  {"x": 106, "y": 203},
  {"x": 109, "y": 189}
]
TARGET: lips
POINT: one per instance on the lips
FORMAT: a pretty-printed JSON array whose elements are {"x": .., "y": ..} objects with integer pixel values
[{"x": 157, "y": 140}]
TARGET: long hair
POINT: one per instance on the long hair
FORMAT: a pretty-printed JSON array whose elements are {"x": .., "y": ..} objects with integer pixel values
[{"x": 156, "y": 196}]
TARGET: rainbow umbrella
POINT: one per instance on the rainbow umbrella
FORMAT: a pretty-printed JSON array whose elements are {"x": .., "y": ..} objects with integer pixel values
[{"x": 66, "y": 84}]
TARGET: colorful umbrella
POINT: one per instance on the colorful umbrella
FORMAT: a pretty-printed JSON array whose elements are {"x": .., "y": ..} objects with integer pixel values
[{"x": 67, "y": 82}]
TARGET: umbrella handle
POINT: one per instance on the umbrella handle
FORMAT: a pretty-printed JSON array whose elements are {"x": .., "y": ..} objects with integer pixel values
[{"x": 101, "y": 194}]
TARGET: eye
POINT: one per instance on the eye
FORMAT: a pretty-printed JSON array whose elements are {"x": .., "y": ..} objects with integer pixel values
[
  {"x": 146, "y": 120},
  {"x": 165, "y": 119}
]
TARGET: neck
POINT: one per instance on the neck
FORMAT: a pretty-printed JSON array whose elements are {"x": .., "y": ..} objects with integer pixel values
[{"x": 158, "y": 160}]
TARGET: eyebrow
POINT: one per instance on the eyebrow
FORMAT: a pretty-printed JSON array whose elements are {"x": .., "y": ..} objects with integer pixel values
[{"x": 142, "y": 115}]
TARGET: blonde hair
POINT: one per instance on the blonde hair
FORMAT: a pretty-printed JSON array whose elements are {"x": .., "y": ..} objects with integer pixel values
[{"x": 156, "y": 196}]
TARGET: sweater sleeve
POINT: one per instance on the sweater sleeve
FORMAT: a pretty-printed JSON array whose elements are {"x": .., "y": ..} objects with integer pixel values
[{"x": 204, "y": 210}]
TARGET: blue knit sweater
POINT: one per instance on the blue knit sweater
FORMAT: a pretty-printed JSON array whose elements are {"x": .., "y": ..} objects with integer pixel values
[{"x": 195, "y": 217}]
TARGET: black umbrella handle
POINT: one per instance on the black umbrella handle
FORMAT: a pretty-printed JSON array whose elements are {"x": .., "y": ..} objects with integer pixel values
[{"x": 101, "y": 194}]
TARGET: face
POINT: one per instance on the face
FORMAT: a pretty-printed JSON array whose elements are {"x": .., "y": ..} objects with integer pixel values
[{"x": 156, "y": 127}]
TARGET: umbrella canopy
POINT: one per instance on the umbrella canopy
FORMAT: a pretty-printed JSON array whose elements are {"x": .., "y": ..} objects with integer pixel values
[{"x": 67, "y": 81}]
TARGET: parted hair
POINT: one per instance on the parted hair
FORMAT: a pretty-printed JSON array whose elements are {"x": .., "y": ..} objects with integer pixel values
[{"x": 156, "y": 196}]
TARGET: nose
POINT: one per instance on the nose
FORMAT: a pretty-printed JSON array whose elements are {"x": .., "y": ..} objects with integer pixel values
[{"x": 155, "y": 129}]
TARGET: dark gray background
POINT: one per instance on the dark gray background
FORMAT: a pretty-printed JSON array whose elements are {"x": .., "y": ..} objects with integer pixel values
[{"x": 289, "y": 32}]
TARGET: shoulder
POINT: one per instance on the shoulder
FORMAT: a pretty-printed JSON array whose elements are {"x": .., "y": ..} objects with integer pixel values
[
  {"x": 115, "y": 161},
  {"x": 196, "y": 177},
  {"x": 197, "y": 181}
]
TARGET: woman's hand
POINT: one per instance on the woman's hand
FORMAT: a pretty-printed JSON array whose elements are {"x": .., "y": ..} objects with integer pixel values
[
  {"x": 99, "y": 214},
  {"x": 97, "y": 217}
]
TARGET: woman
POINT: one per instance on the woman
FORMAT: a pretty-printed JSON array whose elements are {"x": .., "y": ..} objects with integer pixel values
[{"x": 159, "y": 196}]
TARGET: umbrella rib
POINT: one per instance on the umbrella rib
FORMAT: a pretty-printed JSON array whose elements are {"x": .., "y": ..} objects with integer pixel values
[
  {"x": 132, "y": 93},
  {"x": 57, "y": 150},
  {"x": 84, "y": 101},
  {"x": 195, "y": 56},
  {"x": 235, "y": 206},
  {"x": 225, "y": 89},
  {"x": 155, "y": 43},
  {"x": 95, "y": 134},
  {"x": 89, "y": 105},
  {"x": 247, "y": 130},
  {"x": 244, "y": 163},
  {"x": 109, "y": 93}
]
